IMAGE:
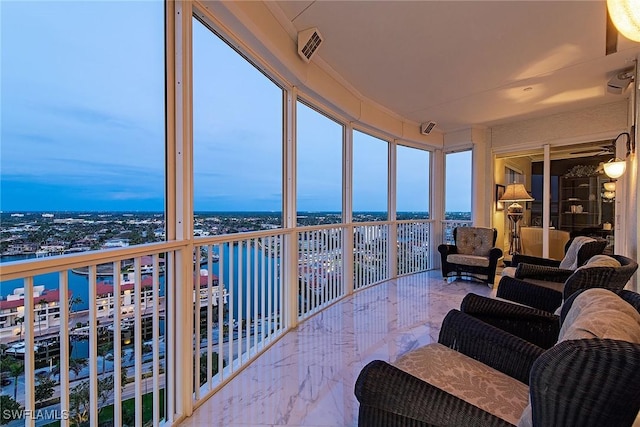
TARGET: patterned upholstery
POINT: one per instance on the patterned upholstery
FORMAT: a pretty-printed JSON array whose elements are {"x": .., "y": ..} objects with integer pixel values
[
  {"x": 599, "y": 313},
  {"x": 480, "y": 261},
  {"x": 473, "y": 254},
  {"x": 595, "y": 313},
  {"x": 466, "y": 378},
  {"x": 477, "y": 374},
  {"x": 474, "y": 241}
]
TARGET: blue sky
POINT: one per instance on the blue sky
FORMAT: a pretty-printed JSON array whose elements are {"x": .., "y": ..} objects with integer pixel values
[{"x": 82, "y": 121}]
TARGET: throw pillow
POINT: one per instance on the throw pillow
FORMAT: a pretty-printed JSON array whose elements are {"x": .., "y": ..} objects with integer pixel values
[
  {"x": 596, "y": 313},
  {"x": 600, "y": 313},
  {"x": 600, "y": 261},
  {"x": 570, "y": 260}
]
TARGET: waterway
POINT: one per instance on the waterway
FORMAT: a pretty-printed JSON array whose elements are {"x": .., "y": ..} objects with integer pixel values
[{"x": 245, "y": 271}]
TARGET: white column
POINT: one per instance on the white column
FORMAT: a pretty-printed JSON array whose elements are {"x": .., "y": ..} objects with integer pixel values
[
  {"x": 392, "y": 238},
  {"x": 347, "y": 209},
  {"x": 289, "y": 210},
  {"x": 546, "y": 200},
  {"x": 436, "y": 210}
]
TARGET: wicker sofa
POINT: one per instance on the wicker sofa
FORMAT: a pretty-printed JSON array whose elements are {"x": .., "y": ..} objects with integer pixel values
[
  {"x": 578, "y": 251},
  {"x": 474, "y": 254},
  {"x": 480, "y": 375},
  {"x": 539, "y": 292}
]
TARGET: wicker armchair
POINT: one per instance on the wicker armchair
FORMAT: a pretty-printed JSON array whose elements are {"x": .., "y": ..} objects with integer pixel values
[
  {"x": 474, "y": 254},
  {"x": 526, "y": 266},
  {"x": 582, "y": 382},
  {"x": 535, "y": 326},
  {"x": 538, "y": 292}
]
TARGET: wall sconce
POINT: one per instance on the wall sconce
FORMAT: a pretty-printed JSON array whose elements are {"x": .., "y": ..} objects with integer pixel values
[
  {"x": 609, "y": 192},
  {"x": 615, "y": 168},
  {"x": 625, "y": 15}
]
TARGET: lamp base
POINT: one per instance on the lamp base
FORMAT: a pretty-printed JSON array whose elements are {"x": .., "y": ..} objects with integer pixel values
[{"x": 515, "y": 245}]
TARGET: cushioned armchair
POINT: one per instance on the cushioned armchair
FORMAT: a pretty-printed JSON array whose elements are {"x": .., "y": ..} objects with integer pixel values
[
  {"x": 601, "y": 271},
  {"x": 577, "y": 252},
  {"x": 474, "y": 254},
  {"x": 480, "y": 375}
]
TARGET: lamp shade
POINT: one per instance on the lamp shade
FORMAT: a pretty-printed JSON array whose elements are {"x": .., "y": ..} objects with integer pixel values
[
  {"x": 615, "y": 168},
  {"x": 625, "y": 15},
  {"x": 609, "y": 186},
  {"x": 516, "y": 192}
]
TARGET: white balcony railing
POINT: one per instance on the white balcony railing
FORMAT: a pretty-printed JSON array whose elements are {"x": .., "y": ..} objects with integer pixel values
[{"x": 108, "y": 337}]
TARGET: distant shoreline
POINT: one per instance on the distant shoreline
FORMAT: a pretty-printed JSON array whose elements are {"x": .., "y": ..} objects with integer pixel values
[{"x": 133, "y": 212}]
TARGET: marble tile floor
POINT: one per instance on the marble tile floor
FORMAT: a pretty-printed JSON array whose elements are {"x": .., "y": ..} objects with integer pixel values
[{"x": 307, "y": 378}]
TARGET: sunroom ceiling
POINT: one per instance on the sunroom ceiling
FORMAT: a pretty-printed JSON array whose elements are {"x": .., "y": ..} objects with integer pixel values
[{"x": 466, "y": 63}]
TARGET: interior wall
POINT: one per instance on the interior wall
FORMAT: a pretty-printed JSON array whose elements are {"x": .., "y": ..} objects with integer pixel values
[{"x": 591, "y": 124}]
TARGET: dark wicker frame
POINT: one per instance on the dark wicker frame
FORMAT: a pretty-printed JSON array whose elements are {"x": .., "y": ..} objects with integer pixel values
[
  {"x": 473, "y": 271},
  {"x": 591, "y": 383},
  {"x": 543, "y": 298},
  {"x": 549, "y": 269}
]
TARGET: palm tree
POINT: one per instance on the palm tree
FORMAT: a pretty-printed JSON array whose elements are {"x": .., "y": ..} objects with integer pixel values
[
  {"x": 75, "y": 366},
  {"x": 103, "y": 350},
  {"x": 73, "y": 301},
  {"x": 15, "y": 369},
  {"x": 20, "y": 320},
  {"x": 43, "y": 305}
]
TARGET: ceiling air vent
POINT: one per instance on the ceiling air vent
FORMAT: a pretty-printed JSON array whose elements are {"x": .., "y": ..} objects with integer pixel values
[
  {"x": 427, "y": 127},
  {"x": 308, "y": 42}
]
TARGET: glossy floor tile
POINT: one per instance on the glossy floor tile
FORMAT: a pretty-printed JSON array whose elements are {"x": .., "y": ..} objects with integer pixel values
[{"x": 307, "y": 378}]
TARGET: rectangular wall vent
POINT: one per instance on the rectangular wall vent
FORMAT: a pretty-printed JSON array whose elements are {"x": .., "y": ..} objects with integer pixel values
[
  {"x": 427, "y": 127},
  {"x": 308, "y": 42}
]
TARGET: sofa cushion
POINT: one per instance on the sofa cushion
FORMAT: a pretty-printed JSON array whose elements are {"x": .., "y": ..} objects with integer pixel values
[
  {"x": 474, "y": 240},
  {"x": 600, "y": 313},
  {"x": 509, "y": 271},
  {"x": 596, "y": 313},
  {"x": 468, "y": 379},
  {"x": 600, "y": 261},
  {"x": 570, "y": 260},
  {"x": 473, "y": 260}
]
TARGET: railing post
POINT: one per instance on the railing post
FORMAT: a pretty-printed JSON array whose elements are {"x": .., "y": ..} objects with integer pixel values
[
  {"x": 392, "y": 249},
  {"x": 347, "y": 259},
  {"x": 290, "y": 279}
]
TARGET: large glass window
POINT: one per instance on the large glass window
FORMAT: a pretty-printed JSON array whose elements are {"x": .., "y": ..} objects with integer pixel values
[
  {"x": 83, "y": 132},
  {"x": 412, "y": 183},
  {"x": 237, "y": 153},
  {"x": 370, "y": 171},
  {"x": 458, "y": 186},
  {"x": 319, "y": 168}
]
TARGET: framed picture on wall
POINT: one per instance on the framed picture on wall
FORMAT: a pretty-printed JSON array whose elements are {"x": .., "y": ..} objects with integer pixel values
[{"x": 499, "y": 193}]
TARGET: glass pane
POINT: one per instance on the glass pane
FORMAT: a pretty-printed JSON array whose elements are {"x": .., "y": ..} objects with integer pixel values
[
  {"x": 319, "y": 169},
  {"x": 458, "y": 186},
  {"x": 370, "y": 171},
  {"x": 237, "y": 153},
  {"x": 412, "y": 183},
  {"x": 83, "y": 131}
]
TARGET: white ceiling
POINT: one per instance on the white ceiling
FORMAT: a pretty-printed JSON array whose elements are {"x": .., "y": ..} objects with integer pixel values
[{"x": 466, "y": 63}]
